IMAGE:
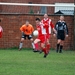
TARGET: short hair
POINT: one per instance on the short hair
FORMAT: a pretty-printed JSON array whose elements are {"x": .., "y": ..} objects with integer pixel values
[
  {"x": 62, "y": 15},
  {"x": 27, "y": 21},
  {"x": 38, "y": 19},
  {"x": 46, "y": 14}
]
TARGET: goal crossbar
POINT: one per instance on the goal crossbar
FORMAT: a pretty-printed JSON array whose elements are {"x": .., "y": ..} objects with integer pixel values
[{"x": 25, "y": 4}]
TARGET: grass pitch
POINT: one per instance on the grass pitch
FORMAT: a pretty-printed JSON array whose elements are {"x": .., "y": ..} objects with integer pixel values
[{"x": 26, "y": 62}]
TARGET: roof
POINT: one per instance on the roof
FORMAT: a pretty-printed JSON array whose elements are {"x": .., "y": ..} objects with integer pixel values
[
  {"x": 65, "y": 12},
  {"x": 68, "y": 12}
]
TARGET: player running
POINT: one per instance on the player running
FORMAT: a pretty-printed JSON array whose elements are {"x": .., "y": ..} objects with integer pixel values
[
  {"x": 61, "y": 28},
  {"x": 1, "y": 31},
  {"x": 27, "y": 30},
  {"x": 48, "y": 25}
]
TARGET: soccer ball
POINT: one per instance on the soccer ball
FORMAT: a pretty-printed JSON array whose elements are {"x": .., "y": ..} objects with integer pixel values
[{"x": 35, "y": 33}]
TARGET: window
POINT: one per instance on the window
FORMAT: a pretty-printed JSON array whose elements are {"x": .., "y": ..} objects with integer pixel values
[
  {"x": 65, "y": 10},
  {"x": 43, "y": 10}
]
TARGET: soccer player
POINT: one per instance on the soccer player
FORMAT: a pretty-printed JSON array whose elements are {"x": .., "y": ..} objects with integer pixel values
[
  {"x": 62, "y": 29},
  {"x": 27, "y": 30},
  {"x": 1, "y": 31},
  {"x": 48, "y": 25},
  {"x": 41, "y": 36}
]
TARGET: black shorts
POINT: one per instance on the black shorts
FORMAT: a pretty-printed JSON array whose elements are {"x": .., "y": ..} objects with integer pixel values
[
  {"x": 26, "y": 36},
  {"x": 61, "y": 36}
]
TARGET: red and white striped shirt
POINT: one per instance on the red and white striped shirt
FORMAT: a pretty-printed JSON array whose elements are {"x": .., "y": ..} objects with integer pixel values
[
  {"x": 41, "y": 29},
  {"x": 48, "y": 25}
]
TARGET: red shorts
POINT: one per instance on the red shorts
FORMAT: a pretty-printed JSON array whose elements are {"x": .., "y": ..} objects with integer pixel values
[
  {"x": 42, "y": 38},
  {"x": 0, "y": 34}
]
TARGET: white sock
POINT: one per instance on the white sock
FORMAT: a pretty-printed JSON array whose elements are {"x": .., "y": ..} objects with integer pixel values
[
  {"x": 20, "y": 46},
  {"x": 33, "y": 45}
]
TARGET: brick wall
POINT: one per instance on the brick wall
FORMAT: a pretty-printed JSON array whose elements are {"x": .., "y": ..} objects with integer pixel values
[
  {"x": 25, "y": 9},
  {"x": 38, "y": 1},
  {"x": 12, "y": 23}
]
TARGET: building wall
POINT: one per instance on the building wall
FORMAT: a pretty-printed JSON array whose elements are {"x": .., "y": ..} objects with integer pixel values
[
  {"x": 39, "y": 1},
  {"x": 12, "y": 23},
  {"x": 24, "y": 9}
]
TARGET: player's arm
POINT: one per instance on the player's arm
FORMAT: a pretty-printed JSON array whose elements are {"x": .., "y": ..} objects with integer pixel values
[
  {"x": 45, "y": 25},
  {"x": 52, "y": 26},
  {"x": 66, "y": 29},
  {"x": 32, "y": 29},
  {"x": 22, "y": 29},
  {"x": 1, "y": 29}
]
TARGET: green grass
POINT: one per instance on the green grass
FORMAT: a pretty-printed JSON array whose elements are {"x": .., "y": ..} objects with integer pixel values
[{"x": 25, "y": 62}]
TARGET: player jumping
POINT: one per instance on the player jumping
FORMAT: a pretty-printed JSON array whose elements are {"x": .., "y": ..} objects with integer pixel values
[{"x": 41, "y": 37}]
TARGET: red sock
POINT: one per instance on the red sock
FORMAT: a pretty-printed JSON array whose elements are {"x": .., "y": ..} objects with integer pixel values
[
  {"x": 36, "y": 46},
  {"x": 48, "y": 47},
  {"x": 44, "y": 50}
]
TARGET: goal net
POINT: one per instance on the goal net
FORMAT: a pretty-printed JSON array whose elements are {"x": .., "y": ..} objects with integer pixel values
[{"x": 29, "y": 8}]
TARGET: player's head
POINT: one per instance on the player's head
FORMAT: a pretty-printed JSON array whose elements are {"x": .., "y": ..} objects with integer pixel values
[
  {"x": 62, "y": 18},
  {"x": 38, "y": 21},
  {"x": 27, "y": 22},
  {"x": 45, "y": 16}
]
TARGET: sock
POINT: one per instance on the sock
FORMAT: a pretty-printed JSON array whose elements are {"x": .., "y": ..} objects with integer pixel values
[
  {"x": 48, "y": 47},
  {"x": 58, "y": 46},
  {"x": 36, "y": 46},
  {"x": 33, "y": 45},
  {"x": 61, "y": 47},
  {"x": 20, "y": 46},
  {"x": 44, "y": 50}
]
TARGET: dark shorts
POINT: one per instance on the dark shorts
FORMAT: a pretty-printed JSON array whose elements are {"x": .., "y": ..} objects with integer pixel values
[
  {"x": 26, "y": 36},
  {"x": 61, "y": 36}
]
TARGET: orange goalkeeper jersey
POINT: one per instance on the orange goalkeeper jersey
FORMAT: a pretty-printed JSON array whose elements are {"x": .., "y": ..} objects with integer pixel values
[{"x": 27, "y": 29}]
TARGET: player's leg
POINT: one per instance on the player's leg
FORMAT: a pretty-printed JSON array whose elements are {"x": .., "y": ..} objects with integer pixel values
[
  {"x": 58, "y": 42},
  {"x": 48, "y": 46},
  {"x": 32, "y": 42},
  {"x": 61, "y": 46},
  {"x": 58, "y": 45},
  {"x": 40, "y": 49},
  {"x": 21, "y": 43},
  {"x": 44, "y": 49},
  {"x": 62, "y": 42},
  {"x": 36, "y": 46},
  {"x": 48, "y": 43},
  {"x": 43, "y": 45}
]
